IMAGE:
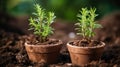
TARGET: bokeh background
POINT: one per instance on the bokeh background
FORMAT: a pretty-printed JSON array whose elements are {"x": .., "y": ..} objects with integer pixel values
[{"x": 64, "y": 9}]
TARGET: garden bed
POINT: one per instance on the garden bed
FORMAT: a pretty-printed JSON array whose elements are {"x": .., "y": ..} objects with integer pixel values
[{"x": 13, "y": 53}]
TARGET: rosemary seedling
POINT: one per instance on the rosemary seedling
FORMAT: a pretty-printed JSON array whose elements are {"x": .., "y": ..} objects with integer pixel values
[
  {"x": 87, "y": 24},
  {"x": 41, "y": 22}
]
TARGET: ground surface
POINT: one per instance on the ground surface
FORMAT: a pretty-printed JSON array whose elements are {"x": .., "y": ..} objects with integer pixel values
[{"x": 13, "y": 53}]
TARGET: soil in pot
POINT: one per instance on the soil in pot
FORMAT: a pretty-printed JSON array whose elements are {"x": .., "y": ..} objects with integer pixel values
[
  {"x": 82, "y": 51},
  {"x": 47, "y": 52}
]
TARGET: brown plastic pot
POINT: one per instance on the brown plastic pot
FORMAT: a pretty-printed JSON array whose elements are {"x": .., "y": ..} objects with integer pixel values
[
  {"x": 44, "y": 53},
  {"x": 83, "y": 55}
]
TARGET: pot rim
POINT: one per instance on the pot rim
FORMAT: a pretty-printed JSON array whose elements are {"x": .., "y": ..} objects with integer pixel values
[
  {"x": 103, "y": 44},
  {"x": 59, "y": 43}
]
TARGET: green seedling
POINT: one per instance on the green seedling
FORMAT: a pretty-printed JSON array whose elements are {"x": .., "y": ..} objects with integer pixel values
[
  {"x": 87, "y": 24},
  {"x": 41, "y": 23}
]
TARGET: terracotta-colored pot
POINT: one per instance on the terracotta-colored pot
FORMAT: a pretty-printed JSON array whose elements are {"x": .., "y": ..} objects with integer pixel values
[
  {"x": 83, "y": 55},
  {"x": 44, "y": 53}
]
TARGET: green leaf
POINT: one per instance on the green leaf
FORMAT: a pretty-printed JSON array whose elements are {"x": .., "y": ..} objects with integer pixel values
[
  {"x": 86, "y": 22},
  {"x": 77, "y": 24},
  {"x": 41, "y": 22},
  {"x": 79, "y": 33}
]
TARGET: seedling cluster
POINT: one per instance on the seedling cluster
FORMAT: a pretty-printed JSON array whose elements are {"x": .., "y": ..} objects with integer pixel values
[
  {"x": 87, "y": 24},
  {"x": 41, "y": 23}
]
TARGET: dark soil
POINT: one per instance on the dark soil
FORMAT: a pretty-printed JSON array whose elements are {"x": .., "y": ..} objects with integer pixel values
[
  {"x": 13, "y": 53},
  {"x": 86, "y": 43},
  {"x": 34, "y": 40}
]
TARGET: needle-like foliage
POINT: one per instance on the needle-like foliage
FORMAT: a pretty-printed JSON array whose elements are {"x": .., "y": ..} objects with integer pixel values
[
  {"x": 87, "y": 24},
  {"x": 41, "y": 22}
]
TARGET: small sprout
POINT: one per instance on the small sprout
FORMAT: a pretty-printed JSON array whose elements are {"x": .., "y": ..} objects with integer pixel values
[
  {"x": 41, "y": 22},
  {"x": 87, "y": 24}
]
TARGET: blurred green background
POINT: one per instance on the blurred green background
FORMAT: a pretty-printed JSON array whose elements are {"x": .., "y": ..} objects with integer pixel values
[{"x": 64, "y": 9}]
